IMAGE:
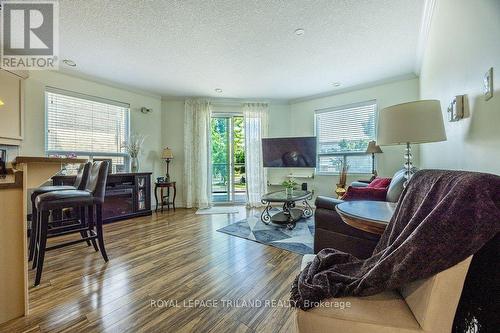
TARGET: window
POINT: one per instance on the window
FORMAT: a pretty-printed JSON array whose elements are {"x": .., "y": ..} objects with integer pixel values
[
  {"x": 343, "y": 134},
  {"x": 86, "y": 126}
]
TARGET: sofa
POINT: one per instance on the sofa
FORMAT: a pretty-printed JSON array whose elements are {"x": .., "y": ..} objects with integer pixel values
[{"x": 332, "y": 232}]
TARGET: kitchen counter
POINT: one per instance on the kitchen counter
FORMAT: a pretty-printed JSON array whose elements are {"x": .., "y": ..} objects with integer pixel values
[
  {"x": 28, "y": 172},
  {"x": 43, "y": 159},
  {"x": 13, "y": 262}
]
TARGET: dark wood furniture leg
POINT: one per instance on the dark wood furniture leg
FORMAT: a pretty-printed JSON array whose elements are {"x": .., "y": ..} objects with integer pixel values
[
  {"x": 168, "y": 198},
  {"x": 34, "y": 231},
  {"x": 161, "y": 198},
  {"x": 83, "y": 222},
  {"x": 90, "y": 226},
  {"x": 42, "y": 243},
  {"x": 100, "y": 236},
  {"x": 173, "y": 199},
  {"x": 156, "y": 197},
  {"x": 37, "y": 238}
]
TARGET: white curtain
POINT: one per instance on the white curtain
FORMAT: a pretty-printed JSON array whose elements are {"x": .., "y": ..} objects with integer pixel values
[
  {"x": 196, "y": 183},
  {"x": 256, "y": 115}
]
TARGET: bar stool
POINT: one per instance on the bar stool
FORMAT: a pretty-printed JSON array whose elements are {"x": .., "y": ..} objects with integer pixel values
[
  {"x": 90, "y": 199},
  {"x": 80, "y": 182}
]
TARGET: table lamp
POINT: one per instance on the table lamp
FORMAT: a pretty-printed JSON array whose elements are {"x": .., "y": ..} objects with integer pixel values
[
  {"x": 410, "y": 123},
  {"x": 373, "y": 149},
  {"x": 167, "y": 155},
  {"x": 1, "y": 102}
]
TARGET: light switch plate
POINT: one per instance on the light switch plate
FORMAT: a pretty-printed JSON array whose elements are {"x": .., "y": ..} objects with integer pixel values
[{"x": 488, "y": 84}]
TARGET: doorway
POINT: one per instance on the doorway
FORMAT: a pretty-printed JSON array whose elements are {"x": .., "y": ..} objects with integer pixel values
[{"x": 228, "y": 159}]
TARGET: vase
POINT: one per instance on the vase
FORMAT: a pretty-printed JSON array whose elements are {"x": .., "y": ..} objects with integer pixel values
[
  {"x": 289, "y": 191},
  {"x": 134, "y": 164},
  {"x": 340, "y": 191}
]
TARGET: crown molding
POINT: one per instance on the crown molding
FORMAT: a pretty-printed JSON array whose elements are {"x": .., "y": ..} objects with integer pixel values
[
  {"x": 238, "y": 101},
  {"x": 404, "y": 77},
  {"x": 425, "y": 27},
  {"x": 228, "y": 101},
  {"x": 109, "y": 83}
]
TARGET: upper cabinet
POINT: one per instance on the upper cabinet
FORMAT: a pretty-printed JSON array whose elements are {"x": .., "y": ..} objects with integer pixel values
[{"x": 11, "y": 107}]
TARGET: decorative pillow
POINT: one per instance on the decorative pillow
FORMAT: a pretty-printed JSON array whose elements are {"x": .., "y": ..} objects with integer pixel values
[
  {"x": 380, "y": 182},
  {"x": 365, "y": 193}
]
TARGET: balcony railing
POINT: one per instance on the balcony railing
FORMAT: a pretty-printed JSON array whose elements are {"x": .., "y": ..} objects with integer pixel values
[{"x": 220, "y": 172}]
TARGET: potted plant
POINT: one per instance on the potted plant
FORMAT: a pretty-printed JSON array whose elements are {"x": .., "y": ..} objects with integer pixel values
[
  {"x": 290, "y": 185},
  {"x": 133, "y": 148}
]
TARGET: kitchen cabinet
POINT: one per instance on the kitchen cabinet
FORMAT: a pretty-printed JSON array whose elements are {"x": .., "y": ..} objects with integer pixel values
[{"x": 11, "y": 107}]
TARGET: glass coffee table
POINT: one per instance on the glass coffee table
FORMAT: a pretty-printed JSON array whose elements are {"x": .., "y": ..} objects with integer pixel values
[{"x": 290, "y": 213}]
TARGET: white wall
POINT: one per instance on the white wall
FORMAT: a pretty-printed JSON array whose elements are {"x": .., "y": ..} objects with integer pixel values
[
  {"x": 165, "y": 125},
  {"x": 297, "y": 119},
  {"x": 173, "y": 133},
  {"x": 173, "y": 137},
  {"x": 148, "y": 124},
  {"x": 302, "y": 124},
  {"x": 464, "y": 41}
]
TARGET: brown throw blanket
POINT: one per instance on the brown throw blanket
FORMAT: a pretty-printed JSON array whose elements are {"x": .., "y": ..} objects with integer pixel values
[{"x": 442, "y": 218}]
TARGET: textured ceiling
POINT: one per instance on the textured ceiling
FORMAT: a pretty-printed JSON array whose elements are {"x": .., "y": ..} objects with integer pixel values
[{"x": 245, "y": 47}]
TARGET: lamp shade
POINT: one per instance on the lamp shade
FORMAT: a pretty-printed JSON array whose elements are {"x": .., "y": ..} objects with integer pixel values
[
  {"x": 413, "y": 122},
  {"x": 373, "y": 148},
  {"x": 1, "y": 102},
  {"x": 167, "y": 154}
]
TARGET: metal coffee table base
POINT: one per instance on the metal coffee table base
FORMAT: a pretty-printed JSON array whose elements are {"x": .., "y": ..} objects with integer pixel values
[{"x": 289, "y": 216}]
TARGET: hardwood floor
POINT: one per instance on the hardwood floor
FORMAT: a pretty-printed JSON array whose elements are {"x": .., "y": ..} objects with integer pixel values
[{"x": 164, "y": 259}]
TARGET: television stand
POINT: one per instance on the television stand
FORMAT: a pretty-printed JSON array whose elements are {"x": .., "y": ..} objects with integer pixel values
[{"x": 127, "y": 195}]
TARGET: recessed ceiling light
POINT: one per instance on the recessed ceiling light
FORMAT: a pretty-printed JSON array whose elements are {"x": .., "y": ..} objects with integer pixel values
[
  {"x": 218, "y": 90},
  {"x": 336, "y": 84},
  {"x": 299, "y": 32},
  {"x": 69, "y": 62}
]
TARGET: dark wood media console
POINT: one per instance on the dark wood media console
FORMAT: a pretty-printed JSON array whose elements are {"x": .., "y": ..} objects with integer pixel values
[{"x": 127, "y": 195}]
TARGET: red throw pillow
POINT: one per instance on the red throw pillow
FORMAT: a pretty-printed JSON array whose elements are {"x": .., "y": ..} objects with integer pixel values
[
  {"x": 365, "y": 193},
  {"x": 380, "y": 182}
]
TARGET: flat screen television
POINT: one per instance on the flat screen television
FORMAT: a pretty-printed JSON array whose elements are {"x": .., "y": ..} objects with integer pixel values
[{"x": 298, "y": 152}]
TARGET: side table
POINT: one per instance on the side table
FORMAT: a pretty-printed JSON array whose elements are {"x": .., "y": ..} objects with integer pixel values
[
  {"x": 169, "y": 201},
  {"x": 369, "y": 216}
]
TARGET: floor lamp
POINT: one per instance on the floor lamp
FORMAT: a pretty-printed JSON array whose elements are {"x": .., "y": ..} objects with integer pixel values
[{"x": 410, "y": 123}]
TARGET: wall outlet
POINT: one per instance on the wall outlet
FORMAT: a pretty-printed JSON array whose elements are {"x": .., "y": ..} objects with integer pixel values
[{"x": 488, "y": 84}]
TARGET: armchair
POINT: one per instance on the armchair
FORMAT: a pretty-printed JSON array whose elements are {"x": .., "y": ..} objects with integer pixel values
[{"x": 426, "y": 305}]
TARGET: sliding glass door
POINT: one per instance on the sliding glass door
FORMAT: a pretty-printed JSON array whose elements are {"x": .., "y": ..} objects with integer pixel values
[{"x": 228, "y": 159}]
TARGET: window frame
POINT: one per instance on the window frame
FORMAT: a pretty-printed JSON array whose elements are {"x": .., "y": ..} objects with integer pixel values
[
  {"x": 90, "y": 154},
  {"x": 344, "y": 155}
]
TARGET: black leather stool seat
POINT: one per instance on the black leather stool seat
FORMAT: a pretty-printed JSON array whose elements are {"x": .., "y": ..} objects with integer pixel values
[
  {"x": 64, "y": 199},
  {"x": 80, "y": 183},
  {"x": 87, "y": 206},
  {"x": 47, "y": 189}
]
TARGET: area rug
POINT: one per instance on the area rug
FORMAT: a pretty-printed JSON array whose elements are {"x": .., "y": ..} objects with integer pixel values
[
  {"x": 299, "y": 240},
  {"x": 218, "y": 210}
]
